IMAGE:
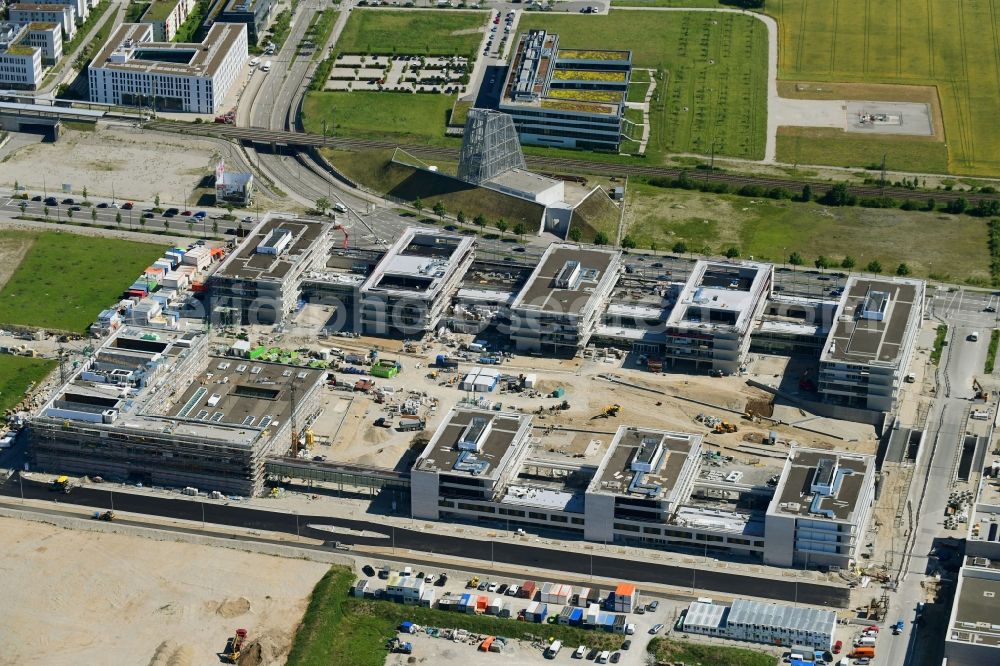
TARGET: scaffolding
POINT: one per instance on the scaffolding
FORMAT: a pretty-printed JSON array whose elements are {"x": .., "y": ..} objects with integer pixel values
[{"x": 490, "y": 147}]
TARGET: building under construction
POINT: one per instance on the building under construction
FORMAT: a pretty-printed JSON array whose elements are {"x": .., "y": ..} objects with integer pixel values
[{"x": 151, "y": 406}]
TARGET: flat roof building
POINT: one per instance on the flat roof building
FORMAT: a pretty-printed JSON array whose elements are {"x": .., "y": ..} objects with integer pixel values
[
  {"x": 561, "y": 303},
  {"x": 166, "y": 17},
  {"x": 63, "y": 15},
  {"x": 760, "y": 622},
  {"x": 253, "y": 13},
  {"x": 81, "y": 8},
  {"x": 711, "y": 321},
  {"x": 973, "y": 636},
  {"x": 570, "y": 98},
  {"x": 821, "y": 509},
  {"x": 133, "y": 69},
  {"x": 20, "y": 61},
  {"x": 871, "y": 342},
  {"x": 152, "y": 406},
  {"x": 262, "y": 278},
  {"x": 413, "y": 284}
]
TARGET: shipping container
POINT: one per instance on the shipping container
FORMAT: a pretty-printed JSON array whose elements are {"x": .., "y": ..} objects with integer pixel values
[
  {"x": 495, "y": 607},
  {"x": 527, "y": 590},
  {"x": 619, "y": 624},
  {"x": 565, "y": 614},
  {"x": 576, "y": 617},
  {"x": 593, "y": 614},
  {"x": 584, "y": 597},
  {"x": 547, "y": 592}
]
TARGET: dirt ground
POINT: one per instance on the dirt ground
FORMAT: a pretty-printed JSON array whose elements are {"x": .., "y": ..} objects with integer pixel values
[
  {"x": 91, "y": 598},
  {"x": 115, "y": 157},
  {"x": 12, "y": 250}
]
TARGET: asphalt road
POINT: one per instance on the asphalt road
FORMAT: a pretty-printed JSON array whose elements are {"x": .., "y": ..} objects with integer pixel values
[{"x": 503, "y": 551}]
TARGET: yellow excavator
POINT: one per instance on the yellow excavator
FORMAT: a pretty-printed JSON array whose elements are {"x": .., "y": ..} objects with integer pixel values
[
  {"x": 724, "y": 427},
  {"x": 609, "y": 412},
  {"x": 235, "y": 646}
]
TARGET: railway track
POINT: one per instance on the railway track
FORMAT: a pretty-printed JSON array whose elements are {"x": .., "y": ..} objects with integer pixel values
[{"x": 300, "y": 139}]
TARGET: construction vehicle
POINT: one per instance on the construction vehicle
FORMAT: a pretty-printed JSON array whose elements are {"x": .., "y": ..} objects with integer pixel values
[
  {"x": 235, "y": 646},
  {"x": 897, "y": 628},
  {"x": 724, "y": 427},
  {"x": 981, "y": 393},
  {"x": 62, "y": 484},
  {"x": 106, "y": 516},
  {"x": 609, "y": 412},
  {"x": 402, "y": 647},
  {"x": 473, "y": 582},
  {"x": 338, "y": 225}
]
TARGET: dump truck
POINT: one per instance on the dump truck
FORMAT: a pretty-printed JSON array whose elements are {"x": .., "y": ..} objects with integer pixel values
[
  {"x": 106, "y": 516},
  {"x": 62, "y": 484},
  {"x": 406, "y": 424},
  {"x": 443, "y": 361}
]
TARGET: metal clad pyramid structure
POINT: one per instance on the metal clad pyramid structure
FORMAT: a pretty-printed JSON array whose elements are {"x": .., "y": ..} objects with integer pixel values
[{"x": 490, "y": 147}]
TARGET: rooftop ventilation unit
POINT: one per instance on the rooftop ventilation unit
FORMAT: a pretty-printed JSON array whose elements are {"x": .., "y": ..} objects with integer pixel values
[
  {"x": 275, "y": 242},
  {"x": 875, "y": 306},
  {"x": 468, "y": 462},
  {"x": 474, "y": 434},
  {"x": 569, "y": 275},
  {"x": 647, "y": 455}
]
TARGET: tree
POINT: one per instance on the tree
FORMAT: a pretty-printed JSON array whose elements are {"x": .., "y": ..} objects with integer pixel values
[
  {"x": 957, "y": 206},
  {"x": 156, "y": 200},
  {"x": 322, "y": 204},
  {"x": 839, "y": 195},
  {"x": 23, "y": 206},
  {"x": 628, "y": 242},
  {"x": 118, "y": 218},
  {"x": 479, "y": 221},
  {"x": 653, "y": 246},
  {"x": 93, "y": 215},
  {"x": 575, "y": 235},
  {"x": 84, "y": 192},
  {"x": 69, "y": 213},
  {"x": 902, "y": 270},
  {"x": 190, "y": 227},
  {"x": 680, "y": 247},
  {"x": 600, "y": 238},
  {"x": 807, "y": 193},
  {"x": 45, "y": 212},
  {"x": 215, "y": 227},
  {"x": 460, "y": 217},
  {"x": 931, "y": 206},
  {"x": 732, "y": 252},
  {"x": 822, "y": 262},
  {"x": 848, "y": 262},
  {"x": 418, "y": 205},
  {"x": 795, "y": 259},
  {"x": 229, "y": 209},
  {"x": 439, "y": 209},
  {"x": 142, "y": 221},
  {"x": 166, "y": 224},
  {"x": 502, "y": 226},
  {"x": 874, "y": 266},
  {"x": 519, "y": 230}
]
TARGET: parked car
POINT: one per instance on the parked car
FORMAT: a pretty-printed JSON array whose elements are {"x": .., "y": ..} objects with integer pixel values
[
  {"x": 652, "y": 605},
  {"x": 627, "y": 644},
  {"x": 172, "y": 211},
  {"x": 656, "y": 628},
  {"x": 492, "y": 587},
  {"x": 502, "y": 589},
  {"x": 75, "y": 208},
  {"x": 68, "y": 201},
  {"x": 200, "y": 215},
  {"x": 187, "y": 213},
  {"x": 368, "y": 570},
  {"x": 837, "y": 647},
  {"x": 149, "y": 215},
  {"x": 103, "y": 204},
  {"x": 127, "y": 205},
  {"x": 593, "y": 653},
  {"x": 51, "y": 201},
  {"x": 37, "y": 197},
  {"x": 616, "y": 657}
]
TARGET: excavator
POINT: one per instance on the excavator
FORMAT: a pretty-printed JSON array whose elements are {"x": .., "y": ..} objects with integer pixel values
[
  {"x": 609, "y": 412},
  {"x": 981, "y": 393},
  {"x": 724, "y": 427},
  {"x": 235, "y": 646}
]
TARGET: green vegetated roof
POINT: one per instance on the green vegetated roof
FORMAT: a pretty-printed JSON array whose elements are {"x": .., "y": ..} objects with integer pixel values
[
  {"x": 588, "y": 75},
  {"x": 607, "y": 96},
  {"x": 591, "y": 54},
  {"x": 20, "y": 50},
  {"x": 574, "y": 105},
  {"x": 159, "y": 10}
]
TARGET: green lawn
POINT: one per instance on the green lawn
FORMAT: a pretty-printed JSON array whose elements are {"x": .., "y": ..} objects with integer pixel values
[
  {"x": 338, "y": 629},
  {"x": 948, "y": 246},
  {"x": 811, "y": 145},
  {"x": 954, "y": 46},
  {"x": 66, "y": 279},
  {"x": 17, "y": 373},
  {"x": 676, "y": 652},
  {"x": 187, "y": 30},
  {"x": 714, "y": 63},
  {"x": 403, "y": 117},
  {"x": 320, "y": 29},
  {"x": 134, "y": 11},
  {"x": 412, "y": 32}
]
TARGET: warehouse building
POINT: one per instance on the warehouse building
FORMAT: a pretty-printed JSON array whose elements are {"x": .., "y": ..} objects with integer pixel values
[
  {"x": 821, "y": 508},
  {"x": 568, "y": 98},
  {"x": 759, "y": 622},
  {"x": 166, "y": 16},
  {"x": 413, "y": 284},
  {"x": 560, "y": 305},
  {"x": 252, "y": 13},
  {"x": 871, "y": 342},
  {"x": 133, "y": 69},
  {"x": 710, "y": 324},
  {"x": 261, "y": 280},
  {"x": 151, "y": 406}
]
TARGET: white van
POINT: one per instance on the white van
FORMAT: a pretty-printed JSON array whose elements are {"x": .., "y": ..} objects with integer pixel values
[
  {"x": 579, "y": 652},
  {"x": 339, "y": 207},
  {"x": 553, "y": 650},
  {"x": 254, "y": 62},
  {"x": 603, "y": 657}
]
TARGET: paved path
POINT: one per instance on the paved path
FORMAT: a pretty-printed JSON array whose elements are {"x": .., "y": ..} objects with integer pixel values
[{"x": 66, "y": 64}]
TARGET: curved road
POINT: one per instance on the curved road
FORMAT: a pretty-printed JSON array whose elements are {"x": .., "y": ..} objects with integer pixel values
[{"x": 415, "y": 540}]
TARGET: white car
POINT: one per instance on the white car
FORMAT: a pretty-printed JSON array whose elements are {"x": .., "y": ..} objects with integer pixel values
[
  {"x": 512, "y": 590},
  {"x": 492, "y": 587}
]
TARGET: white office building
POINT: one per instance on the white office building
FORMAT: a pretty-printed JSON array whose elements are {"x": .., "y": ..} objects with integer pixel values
[
  {"x": 20, "y": 63},
  {"x": 81, "y": 8},
  {"x": 134, "y": 70},
  {"x": 64, "y": 15}
]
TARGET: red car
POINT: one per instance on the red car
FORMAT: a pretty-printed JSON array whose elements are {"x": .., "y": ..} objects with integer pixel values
[
  {"x": 127, "y": 205},
  {"x": 187, "y": 213},
  {"x": 837, "y": 646}
]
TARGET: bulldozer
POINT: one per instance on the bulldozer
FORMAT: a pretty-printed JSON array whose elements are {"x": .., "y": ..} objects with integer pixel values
[
  {"x": 725, "y": 427},
  {"x": 609, "y": 412}
]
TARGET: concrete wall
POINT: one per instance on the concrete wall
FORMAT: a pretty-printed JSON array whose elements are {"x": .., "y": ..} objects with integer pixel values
[{"x": 424, "y": 489}]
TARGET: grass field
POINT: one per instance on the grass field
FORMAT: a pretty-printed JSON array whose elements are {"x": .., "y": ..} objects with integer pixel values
[
  {"x": 65, "y": 279},
  {"x": 17, "y": 373},
  {"x": 676, "y": 652},
  {"x": 338, "y": 629},
  {"x": 821, "y": 145},
  {"x": 954, "y": 46},
  {"x": 413, "y": 33},
  {"x": 402, "y": 117},
  {"x": 715, "y": 64},
  {"x": 949, "y": 246}
]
